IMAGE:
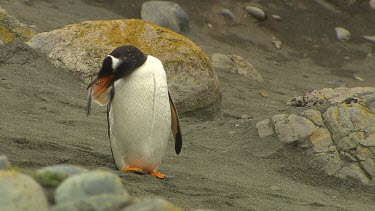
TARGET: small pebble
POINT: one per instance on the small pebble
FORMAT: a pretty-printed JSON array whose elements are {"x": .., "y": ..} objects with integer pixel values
[
  {"x": 210, "y": 26},
  {"x": 226, "y": 13},
  {"x": 277, "y": 44},
  {"x": 372, "y": 4},
  {"x": 263, "y": 94},
  {"x": 370, "y": 38},
  {"x": 342, "y": 34},
  {"x": 256, "y": 13},
  {"x": 358, "y": 78},
  {"x": 276, "y": 17}
]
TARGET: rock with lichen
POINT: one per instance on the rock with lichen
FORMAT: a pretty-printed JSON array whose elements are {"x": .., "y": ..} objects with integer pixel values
[
  {"x": 11, "y": 28},
  {"x": 82, "y": 47},
  {"x": 329, "y": 96},
  {"x": 235, "y": 64},
  {"x": 52, "y": 176},
  {"x": 293, "y": 128},
  {"x": 341, "y": 138},
  {"x": 20, "y": 192},
  {"x": 81, "y": 190}
]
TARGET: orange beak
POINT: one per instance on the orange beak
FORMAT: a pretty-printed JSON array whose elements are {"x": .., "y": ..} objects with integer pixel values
[{"x": 100, "y": 91}]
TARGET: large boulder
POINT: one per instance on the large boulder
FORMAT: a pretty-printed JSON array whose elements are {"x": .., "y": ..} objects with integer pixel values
[
  {"x": 81, "y": 48},
  {"x": 166, "y": 14},
  {"x": 11, "y": 28}
]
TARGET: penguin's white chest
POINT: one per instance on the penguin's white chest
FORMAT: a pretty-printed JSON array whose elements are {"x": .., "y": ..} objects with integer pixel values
[{"x": 140, "y": 117}]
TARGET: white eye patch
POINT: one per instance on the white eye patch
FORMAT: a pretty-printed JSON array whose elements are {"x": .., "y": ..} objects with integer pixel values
[{"x": 115, "y": 62}]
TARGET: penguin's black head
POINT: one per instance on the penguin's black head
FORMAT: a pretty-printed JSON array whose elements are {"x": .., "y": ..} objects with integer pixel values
[
  {"x": 122, "y": 61},
  {"x": 118, "y": 64}
]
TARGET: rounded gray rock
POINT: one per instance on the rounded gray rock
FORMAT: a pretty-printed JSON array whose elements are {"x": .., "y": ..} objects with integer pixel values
[
  {"x": 226, "y": 13},
  {"x": 342, "y": 34},
  {"x": 52, "y": 176},
  {"x": 245, "y": 68},
  {"x": 65, "y": 169},
  {"x": 152, "y": 204},
  {"x": 102, "y": 202},
  {"x": 293, "y": 128},
  {"x": 235, "y": 64},
  {"x": 264, "y": 128},
  {"x": 222, "y": 62},
  {"x": 82, "y": 186},
  {"x": 256, "y": 12},
  {"x": 166, "y": 14},
  {"x": 20, "y": 192}
]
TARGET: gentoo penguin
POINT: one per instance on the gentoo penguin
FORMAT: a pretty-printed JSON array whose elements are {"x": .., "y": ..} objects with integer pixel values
[{"x": 140, "y": 110}]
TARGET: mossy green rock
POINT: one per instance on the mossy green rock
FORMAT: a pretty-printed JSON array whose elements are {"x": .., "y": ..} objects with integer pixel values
[
  {"x": 11, "y": 28},
  {"x": 81, "y": 48},
  {"x": 20, "y": 192},
  {"x": 52, "y": 176}
]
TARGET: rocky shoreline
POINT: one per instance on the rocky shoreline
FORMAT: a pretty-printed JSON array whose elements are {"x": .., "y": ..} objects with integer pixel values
[{"x": 69, "y": 187}]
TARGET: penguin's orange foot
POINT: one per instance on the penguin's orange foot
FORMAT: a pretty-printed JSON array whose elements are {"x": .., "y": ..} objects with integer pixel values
[
  {"x": 157, "y": 174},
  {"x": 133, "y": 169}
]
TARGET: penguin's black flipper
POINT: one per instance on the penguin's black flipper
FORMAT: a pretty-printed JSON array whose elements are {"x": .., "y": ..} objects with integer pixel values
[
  {"x": 112, "y": 93},
  {"x": 176, "y": 130}
]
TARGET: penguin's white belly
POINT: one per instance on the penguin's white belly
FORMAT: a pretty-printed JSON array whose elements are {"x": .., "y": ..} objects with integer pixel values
[{"x": 140, "y": 117}]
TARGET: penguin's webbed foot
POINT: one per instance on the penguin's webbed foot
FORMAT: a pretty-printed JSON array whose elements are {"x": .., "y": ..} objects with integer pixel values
[
  {"x": 140, "y": 171},
  {"x": 157, "y": 174},
  {"x": 134, "y": 170}
]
